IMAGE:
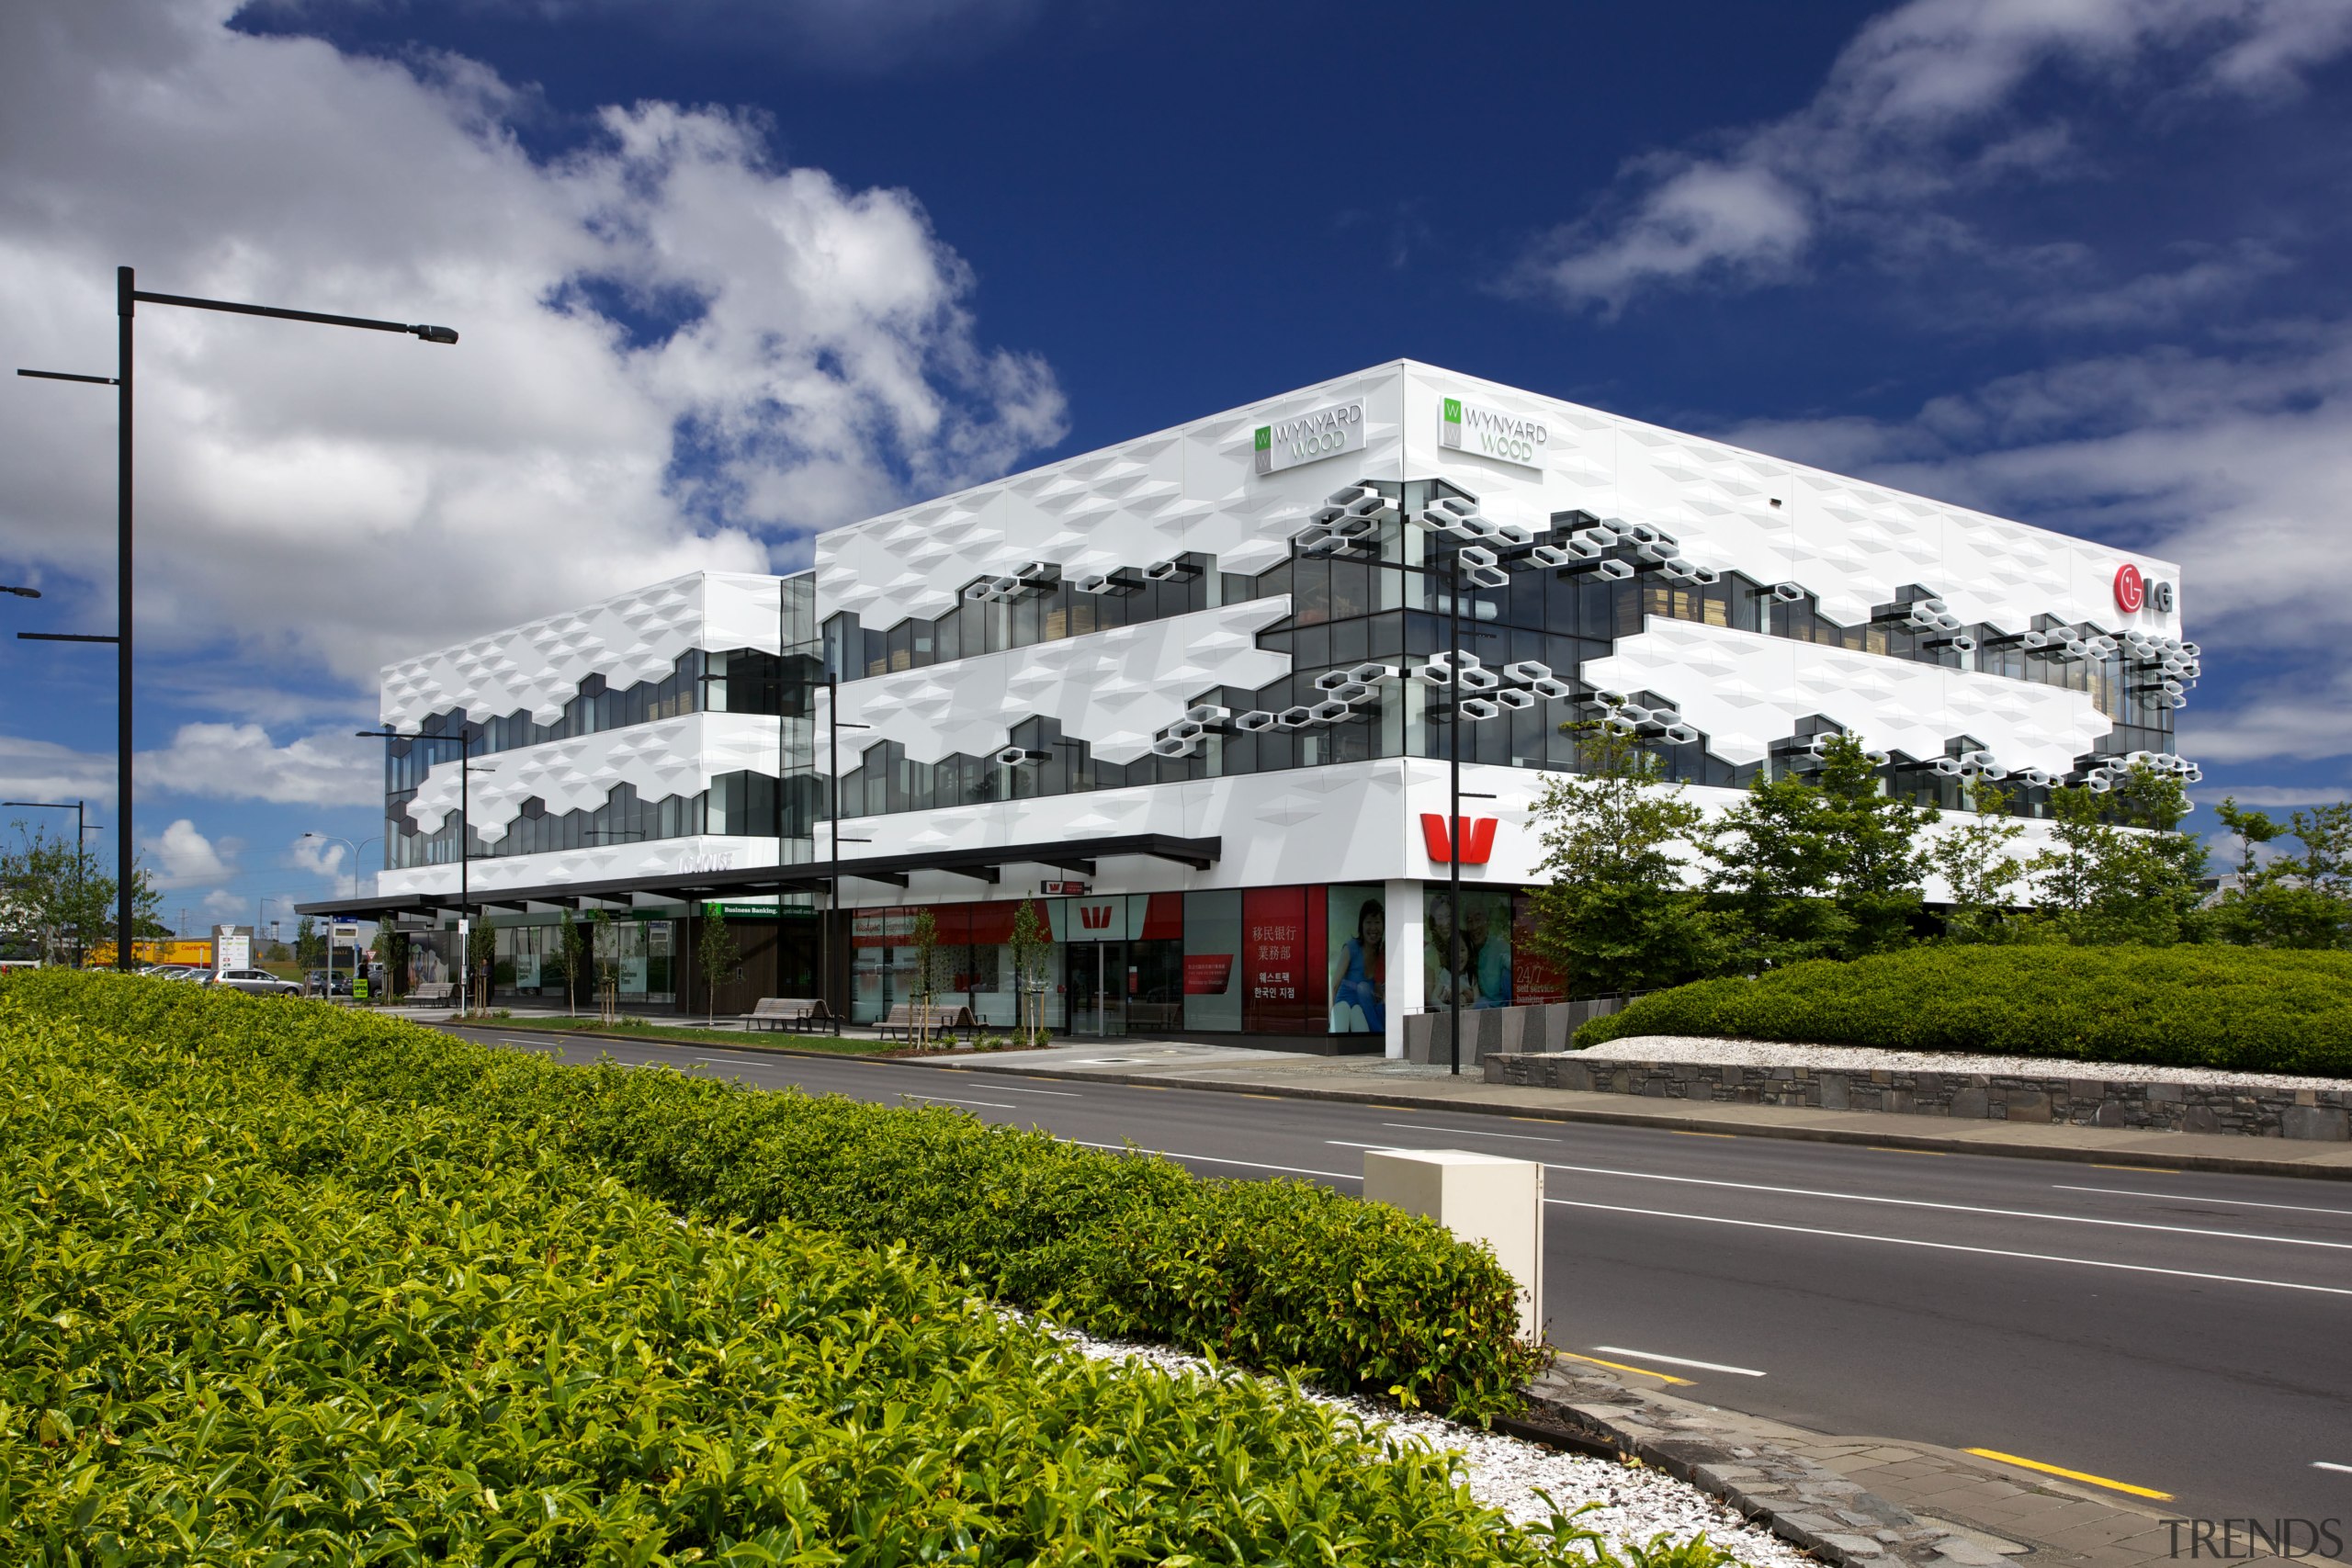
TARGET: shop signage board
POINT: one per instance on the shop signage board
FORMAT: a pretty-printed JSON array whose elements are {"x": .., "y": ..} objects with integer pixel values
[
  {"x": 232, "y": 946},
  {"x": 1310, "y": 438},
  {"x": 1515, "y": 438},
  {"x": 725, "y": 910},
  {"x": 1064, "y": 889}
]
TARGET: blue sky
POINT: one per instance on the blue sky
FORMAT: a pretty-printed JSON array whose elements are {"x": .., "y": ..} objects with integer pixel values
[{"x": 730, "y": 271}]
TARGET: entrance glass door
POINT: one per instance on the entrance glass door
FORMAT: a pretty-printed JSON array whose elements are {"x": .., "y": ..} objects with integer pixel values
[{"x": 1096, "y": 984}]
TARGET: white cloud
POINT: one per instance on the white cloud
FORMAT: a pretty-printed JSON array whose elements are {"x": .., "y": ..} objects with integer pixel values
[
  {"x": 184, "y": 857},
  {"x": 239, "y": 761},
  {"x": 224, "y": 904},
  {"x": 1926, "y": 105},
  {"x": 43, "y": 770},
  {"x": 676, "y": 353},
  {"x": 2275, "y": 795}
]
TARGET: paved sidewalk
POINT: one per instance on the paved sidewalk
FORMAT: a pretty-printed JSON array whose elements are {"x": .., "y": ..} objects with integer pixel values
[{"x": 1859, "y": 1500}]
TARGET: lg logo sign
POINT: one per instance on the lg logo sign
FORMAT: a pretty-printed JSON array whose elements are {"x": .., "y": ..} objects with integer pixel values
[{"x": 2135, "y": 593}]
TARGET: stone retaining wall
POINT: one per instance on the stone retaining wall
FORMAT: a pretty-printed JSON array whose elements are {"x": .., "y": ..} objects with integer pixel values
[
  {"x": 2247, "y": 1108},
  {"x": 1486, "y": 1032}
]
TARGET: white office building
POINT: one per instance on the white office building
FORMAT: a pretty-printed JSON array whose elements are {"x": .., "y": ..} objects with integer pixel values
[{"x": 1195, "y": 695}]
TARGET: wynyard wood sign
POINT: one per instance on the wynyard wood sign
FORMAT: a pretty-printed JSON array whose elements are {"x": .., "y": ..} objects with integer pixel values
[
  {"x": 1310, "y": 438},
  {"x": 1511, "y": 437}
]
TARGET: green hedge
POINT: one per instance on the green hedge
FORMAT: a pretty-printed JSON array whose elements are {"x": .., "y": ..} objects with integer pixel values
[
  {"x": 2250, "y": 1010},
  {"x": 250, "y": 1325},
  {"x": 1280, "y": 1275}
]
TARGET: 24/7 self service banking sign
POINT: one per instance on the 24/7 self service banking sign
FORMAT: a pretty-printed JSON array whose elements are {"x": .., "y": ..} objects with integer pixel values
[{"x": 1491, "y": 433}]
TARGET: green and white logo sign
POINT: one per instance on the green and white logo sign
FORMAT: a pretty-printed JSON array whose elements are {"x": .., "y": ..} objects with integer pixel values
[
  {"x": 1310, "y": 438},
  {"x": 1510, "y": 437}
]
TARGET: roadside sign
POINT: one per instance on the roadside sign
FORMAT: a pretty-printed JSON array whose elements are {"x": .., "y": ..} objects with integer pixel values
[{"x": 1064, "y": 889}]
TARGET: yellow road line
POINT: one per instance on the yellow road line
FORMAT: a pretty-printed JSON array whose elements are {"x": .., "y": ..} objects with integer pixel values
[
  {"x": 1685, "y": 1132},
  {"x": 2145, "y": 1170},
  {"x": 1621, "y": 1367},
  {"x": 2073, "y": 1474},
  {"x": 1891, "y": 1149}
]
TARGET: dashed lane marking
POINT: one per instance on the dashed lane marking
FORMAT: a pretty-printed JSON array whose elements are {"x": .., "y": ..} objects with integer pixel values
[
  {"x": 2205, "y": 1198},
  {"x": 1469, "y": 1131},
  {"x": 950, "y": 1099},
  {"x": 1956, "y": 1247},
  {"x": 1218, "y": 1159}
]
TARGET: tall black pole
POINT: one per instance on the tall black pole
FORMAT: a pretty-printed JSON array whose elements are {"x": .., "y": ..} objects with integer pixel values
[
  {"x": 833, "y": 827},
  {"x": 465, "y": 866},
  {"x": 1453, "y": 814},
  {"x": 125, "y": 305}
]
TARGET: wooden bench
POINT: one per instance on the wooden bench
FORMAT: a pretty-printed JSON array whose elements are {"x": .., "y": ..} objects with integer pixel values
[
  {"x": 946, "y": 1019},
  {"x": 433, "y": 991},
  {"x": 787, "y": 1013}
]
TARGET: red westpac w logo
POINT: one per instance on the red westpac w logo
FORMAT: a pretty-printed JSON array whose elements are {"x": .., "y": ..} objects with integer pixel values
[
  {"x": 1476, "y": 835},
  {"x": 1094, "y": 917}
]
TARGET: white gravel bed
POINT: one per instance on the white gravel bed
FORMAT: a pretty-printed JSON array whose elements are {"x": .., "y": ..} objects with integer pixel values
[
  {"x": 1502, "y": 1473},
  {"x": 1862, "y": 1059}
]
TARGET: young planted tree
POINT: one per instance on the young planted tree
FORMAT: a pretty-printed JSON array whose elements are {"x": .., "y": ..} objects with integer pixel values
[
  {"x": 716, "y": 955},
  {"x": 568, "y": 953},
  {"x": 925, "y": 936},
  {"x": 482, "y": 958},
  {"x": 2118, "y": 869},
  {"x": 1982, "y": 875},
  {"x": 1030, "y": 941},
  {"x": 1621, "y": 910},
  {"x": 310, "y": 945},
  {"x": 603, "y": 947},
  {"x": 2298, "y": 901}
]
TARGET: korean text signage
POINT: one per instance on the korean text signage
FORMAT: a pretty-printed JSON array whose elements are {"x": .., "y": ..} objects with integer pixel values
[
  {"x": 1475, "y": 835},
  {"x": 2135, "y": 593},
  {"x": 1491, "y": 433},
  {"x": 1310, "y": 438}
]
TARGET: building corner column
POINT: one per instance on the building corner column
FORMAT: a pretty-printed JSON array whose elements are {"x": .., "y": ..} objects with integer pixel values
[{"x": 1402, "y": 901}]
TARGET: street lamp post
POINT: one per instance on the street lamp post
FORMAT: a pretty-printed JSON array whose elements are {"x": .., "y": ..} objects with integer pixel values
[
  {"x": 338, "y": 839},
  {"x": 128, "y": 297}
]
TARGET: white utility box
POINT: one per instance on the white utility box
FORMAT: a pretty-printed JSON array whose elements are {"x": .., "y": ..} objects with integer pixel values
[{"x": 1479, "y": 1197}]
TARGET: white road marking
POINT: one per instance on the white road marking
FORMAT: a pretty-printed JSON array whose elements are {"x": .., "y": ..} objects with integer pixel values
[
  {"x": 1955, "y": 1247},
  {"x": 951, "y": 1099},
  {"x": 1472, "y": 1133},
  {"x": 2204, "y": 1198},
  {"x": 1911, "y": 1203},
  {"x": 2323, "y": 1464},
  {"x": 1056, "y": 1093},
  {"x": 1678, "y": 1361},
  {"x": 1216, "y": 1160}
]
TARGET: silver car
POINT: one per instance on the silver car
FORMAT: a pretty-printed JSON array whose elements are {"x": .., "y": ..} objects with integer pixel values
[{"x": 257, "y": 983}]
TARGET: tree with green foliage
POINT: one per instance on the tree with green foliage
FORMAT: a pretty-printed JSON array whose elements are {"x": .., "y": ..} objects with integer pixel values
[
  {"x": 2118, "y": 869},
  {"x": 53, "y": 893},
  {"x": 1822, "y": 866},
  {"x": 716, "y": 955},
  {"x": 310, "y": 945},
  {"x": 1620, "y": 910},
  {"x": 2301, "y": 901},
  {"x": 1031, "y": 939},
  {"x": 1983, "y": 876}
]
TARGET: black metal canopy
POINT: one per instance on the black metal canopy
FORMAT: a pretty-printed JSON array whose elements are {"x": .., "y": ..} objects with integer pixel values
[{"x": 984, "y": 865}]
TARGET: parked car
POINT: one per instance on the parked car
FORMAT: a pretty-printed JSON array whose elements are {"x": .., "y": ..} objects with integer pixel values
[
  {"x": 257, "y": 983},
  {"x": 314, "y": 983}
]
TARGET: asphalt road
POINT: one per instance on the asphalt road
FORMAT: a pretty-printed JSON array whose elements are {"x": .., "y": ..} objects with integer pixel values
[{"x": 2182, "y": 1332}]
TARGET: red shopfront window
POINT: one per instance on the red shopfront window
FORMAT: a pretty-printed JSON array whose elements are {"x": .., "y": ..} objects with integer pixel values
[{"x": 1282, "y": 961}]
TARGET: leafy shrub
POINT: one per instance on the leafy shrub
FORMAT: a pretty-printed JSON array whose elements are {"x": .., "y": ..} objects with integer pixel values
[
  {"x": 2243, "y": 1008},
  {"x": 1278, "y": 1275},
  {"x": 253, "y": 1324}
]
